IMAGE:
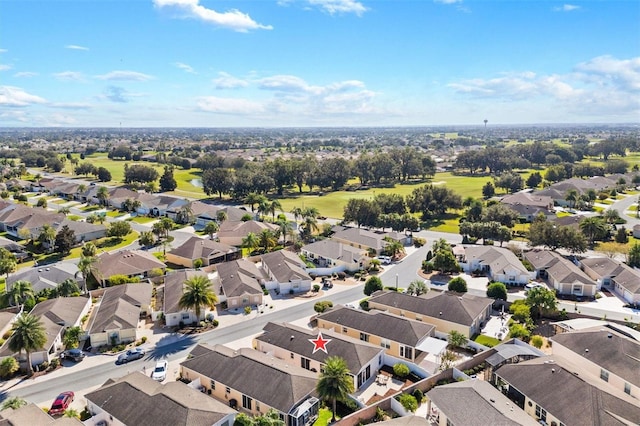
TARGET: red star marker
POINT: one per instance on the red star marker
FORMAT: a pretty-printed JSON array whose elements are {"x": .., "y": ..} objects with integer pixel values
[{"x": 320, "y": 344}]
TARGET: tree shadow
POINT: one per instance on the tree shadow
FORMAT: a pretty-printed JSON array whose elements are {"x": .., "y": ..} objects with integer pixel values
[{"x": 169, "y": 345}]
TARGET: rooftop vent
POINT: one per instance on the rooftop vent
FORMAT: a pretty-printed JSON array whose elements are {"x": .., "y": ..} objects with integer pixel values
[
  {"x": 609, "y": 335},
  {"x": 586, "y": 350},
  {"x": 553, "y": 370}
]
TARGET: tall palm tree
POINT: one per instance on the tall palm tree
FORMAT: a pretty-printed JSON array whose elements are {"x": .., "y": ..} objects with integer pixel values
[
  {"x": 102, "y": 195},
  {"x": 47, "y": 236},
  {"x": 297, "y": 213},
  {"x": 252, "y": 199},
  {"x": 310, "y": 212},
  {"x": 335, "y": 382},
  {"x": 266, "y": 240},
  {"x": 86, "y": 267},
  {"x": 571, "y": 197},
  {"x": 285, "y": 229},
  {"x": 211, "y": 228},
  {"x": 272, "y": 206},
  {"x": 185, "y": 214},
  {"x": 309, "y": 226},
  {"x": 592, "y": 227},
  {"x": 20, "y": 292},
  {"x": 67, "y": 288},
  {"x": 28, "y": 335},
  {"x": 89, "y": 249},
  {"x": 250, "y": 241},
  {"x": 221, "y": 216},
  {"x": 8, "y": 262},
  {"x": 198, "y": 293}
]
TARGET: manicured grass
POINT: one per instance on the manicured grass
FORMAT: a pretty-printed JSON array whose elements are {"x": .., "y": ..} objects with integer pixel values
[
  {"x": 487, "y": 340},
  {"x": 114, "y": 213},
  {"x": 90, "y": 208},
  {"x": 142, "y": 219},
  {"x": 324, "y": 417},
  {"x": 74, "y": 217}
]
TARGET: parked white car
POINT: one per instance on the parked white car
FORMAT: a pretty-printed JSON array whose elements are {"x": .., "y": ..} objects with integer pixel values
[
  {"x": 385, "y": 260},
  {"x": 160, "y": 372}
]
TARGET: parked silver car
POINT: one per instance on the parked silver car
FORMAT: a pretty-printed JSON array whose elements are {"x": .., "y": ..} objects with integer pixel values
[{"x": 130, "y": 355}]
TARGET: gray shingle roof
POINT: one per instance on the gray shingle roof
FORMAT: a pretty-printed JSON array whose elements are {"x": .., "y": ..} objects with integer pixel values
[
  {"x": 59, "y": 313},
  {"x": 295, "y": 339},
  {"x": 46, "y": 276},
  {"x": 125, "y": 262},
  {"x": 330, "y": 249},
  {"x": 136, "y": 399},
  {"x": 232, "y": 368},
  {"x": 483, "y": 405},
  {"x": 361, "y": 237},
  {"x": 383, "y": 324},
  {"x": 567, "y": 396},
  {"x": 174, "y": 288},
  {"x": 496, "y": 258},
  {"x": 202, "y": 248},
  {"x": 453, "y": 307},
  {"x": 239, "y": 277},
  {"x": 285, "y": 266},
  {"x": 606, "y": 348},
  {"x": 120, "y": 307}
]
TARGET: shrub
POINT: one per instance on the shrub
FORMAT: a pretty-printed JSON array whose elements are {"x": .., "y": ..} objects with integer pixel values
[
  {"x": 408, "y": 402},
  {"x": 401, "y": 370},
  {"x": 537, "y": 341},
  {"x": 322, "y": 306},
  {"x": 265, "y": 291},
  {"x": 427, "y": 266},
  {"x": 372, "y": 285},
  {"x": 341, "y": 275},
  {"x": 54, "y": 363},
  {"x": 364, "y": 304},
  {"x": 418, "y": 395},
  {"x": 144, "y": 339},
  {"x": 215, "y": 322},
  {"x": 457, "y": 284},
  {"x": 419, "y": 242},
  {"x": 316, "y": 288},
  {"x": 8, "y": 367},
  {"x": 247, "y": 310},
  {"x": 198, "y": 263},
  {"x": 7, "y": 334}
]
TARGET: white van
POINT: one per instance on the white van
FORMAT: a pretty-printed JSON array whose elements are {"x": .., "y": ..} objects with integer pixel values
[{"x": 531, "y": 286}]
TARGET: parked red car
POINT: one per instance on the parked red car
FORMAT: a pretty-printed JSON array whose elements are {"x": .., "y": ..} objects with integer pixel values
[{"x": 61, "y": 403}]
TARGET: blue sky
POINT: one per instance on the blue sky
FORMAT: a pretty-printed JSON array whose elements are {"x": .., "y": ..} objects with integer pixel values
[{"x": 272, "y": 63}]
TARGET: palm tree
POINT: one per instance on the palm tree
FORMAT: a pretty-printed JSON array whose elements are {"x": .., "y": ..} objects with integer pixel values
[
  {"x": 252, "y": 199},
  {"x": 611, "y": 216},
  {"x": 102, "y": 195},
  {"x": 64, "y": 210},
  {"x": 221, "y": 216},
  {"x": 15, "y": 403},
  {"x": 272, "y": 207},
  {"x": 309, "y": 226},
  {"x": 198, "y": 293},
  {"x": 297, "y": 213},
  {"x": 250, "y": 241},
  {"x": 592, "y": 227},
  {"x": 266, "y": 240},
  {"x": 417, "y": 287},
  {"x": 72, "y": 337},
  {"x": 89, "y": 249},
  {"x": 166, "y": 225},
  {"x": 28, "y": 335},
  {"x": 126, "y": 205},
  {"x": 285, "y": 229},
  {"x": 8, "y": 262},
  {"x": 571, "y": 197},
  {"x": 85, "y": 266},
  {"x": 310, "y": 212},
  {"x": 211, "y": 228},
  {"x": 335, "y": 382},
  {"x": 393, "y": 248},
  {"x": 135, "y": 205},
  {"x": 185, "y": 214},
  {"x": 146, "y": 239},
  {"x": 67, "y": 288},
  {"x": 47, "y": 235},
  {"x": 20, "y": 292}
]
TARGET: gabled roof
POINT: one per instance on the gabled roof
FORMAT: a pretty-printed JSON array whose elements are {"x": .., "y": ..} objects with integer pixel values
[
  {"x": 125, "y": 262},
  {"x": 120, "y": 307},
  {"x": 46, "y": 276},
  {"x": 59, "y": 313},
  {"x": 202, "y": 248},
  {"x": 232, "y": 368},
  {"x": 330, "y": 249},
  {"x": 483, "y": 405},
  {"x": 448, "y": 306},
  {"x": 542, "y": 259},
  {"x": 31, "y": 414},
  {"x": 174, "y": 288},
  {"x": 285, "y": 266},
  {"x": 561, "y": 269},
  {"x": 137, "y": 399},
  {"x": 362, "y": 237},
  {"x": 383, "y": 324},
  {"x": 604, "y": 266},
  {"x": 239, "y": 277},
  {"x": 81, "y": 227},
  {"x": 356, "y": 353},
  {"x": 608, "y": 349},
  {"x": 569, "y": 397},
  {"x": 231, "y": 229},
  {"x": 497, "y": 258}
]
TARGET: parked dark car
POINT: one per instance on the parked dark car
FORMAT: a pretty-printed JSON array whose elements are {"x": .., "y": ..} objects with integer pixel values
[{"x": 75, "y": 355}]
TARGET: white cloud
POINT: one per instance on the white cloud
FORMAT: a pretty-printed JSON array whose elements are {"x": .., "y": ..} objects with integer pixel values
[
  {"x": 232, "y": 19},
  {"x": 27, "y": 74},
  {"x": 229, "y": 105},
  {"x": 69, "y": 76},
  {"x": 75, "y": 47},
  {"x": 284, "y": 83},
  {"x": 3, "y": 50},
  {"x": 16, "y": 97},
  {"x": 227, "y": 81},
  {"x": 624, "y": 73},
  {"x": 566, "y": 8},
  {"x": 184, "y": 67},
  {"x": 4, "y": 67},
  {"x": 125, "y": 76},
  {"x": 71, "y": 105},
  {"x": 340, "y": 6}
]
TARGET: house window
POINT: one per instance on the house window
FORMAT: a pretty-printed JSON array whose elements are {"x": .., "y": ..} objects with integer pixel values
[
  {"x": 228, "y": 389},
  {"x": 344, "y": 329},
  {"x": 541, "y": 413},
  {"x": 213, "y": 385},
  {"x": 604, "y": 375},
  {"x": 291, "y": 355},
  {"x": 385, "y": 343},
  {"x": 577, "y": 289},
  {"x": 246, "y": 402},
  {"x": 406, "y": 352},
  {"x": 364, "y": 337},
  {"x": 186, "y": 315},
  {"x": 418, "y": 318},
  {"x": 257, "y": 406},
  {"x": 627, "y": 388},
  {"x": 305, "y": 363},
  {"x": 234, "y": 302}
]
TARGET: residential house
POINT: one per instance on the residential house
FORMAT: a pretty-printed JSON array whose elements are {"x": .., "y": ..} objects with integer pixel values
[
  {"x": 56, "y": 315},
  {"x": 285, "y": 272},
  {"x": 604, "y": 353},
  {"x": 239, "y": 283},
  {"x": 561, "y": 274},
  {"x": 18, "y": 185},
  {"x": 47, "y": 276},
  {"x": 66, "y": 190},
  {"x": 174, "y": 314},
  {"x": 552, "y": 390},
  {"x": 446, "y": 310},
  {"x": 615, "y": 275},
  {"x": 336, "y": 256},
  {"x": 511, "y": 351},
  {"x": 362, "y": 239},
  {"x": 232, "y": 233},
  {"x": 118, "y": 195},
  {"x": 208, "y": 251},
  {"x": 528, "y": 199},
  {"x": 204, "y": 213},
  {"x": 126, "y": 262},
  {"x": 137, "y": 399},
  {"x": 84, "y": 231},
  {"x": 120, "y": 314},
  {"x": 16, "y": 249},
  {"x": 292, "y": 344},
  {"x": 31, "y": 414},
  {"x": 223, "y": 372},
  {"x": 500, "y": 264},
  {"x": 401, "y": 337},
  {"x": 483, "y": 405},
  {"x": 17, "y": 219},
  {"x": 158, "y": 205},
  {"x": 529, "y": 213}
]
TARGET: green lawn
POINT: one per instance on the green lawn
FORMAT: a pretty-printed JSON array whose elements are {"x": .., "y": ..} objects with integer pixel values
[
  {"x": 486, "y": 340},
  {"x": 142, "y": 219},
  {"x": 114, "y": 213},
  {"x": 324, "y": 417}
]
